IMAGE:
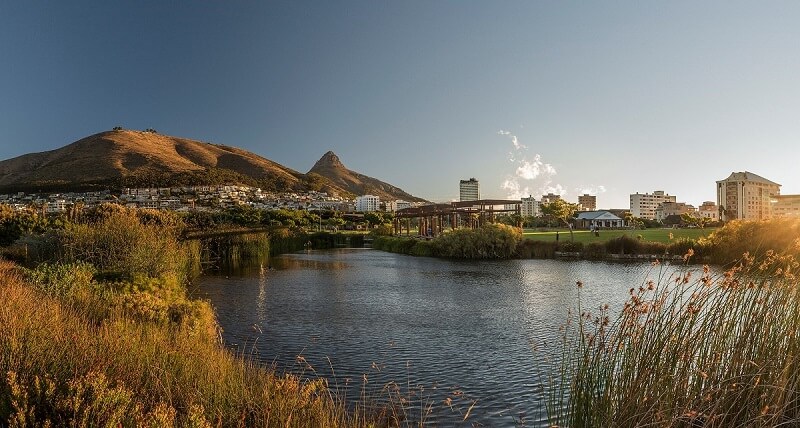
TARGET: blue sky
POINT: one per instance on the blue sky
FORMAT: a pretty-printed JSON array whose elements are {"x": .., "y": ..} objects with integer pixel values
[{"x": 611, "y": 97}]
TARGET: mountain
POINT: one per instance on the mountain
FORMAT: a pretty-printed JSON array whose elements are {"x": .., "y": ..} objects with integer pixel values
[
  {"x": 331, "y": 168},
  {"x": 127, "y": 158}
]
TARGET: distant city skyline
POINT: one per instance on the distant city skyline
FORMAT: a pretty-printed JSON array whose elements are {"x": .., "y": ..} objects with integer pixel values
[{"x": 608, "y": 98}]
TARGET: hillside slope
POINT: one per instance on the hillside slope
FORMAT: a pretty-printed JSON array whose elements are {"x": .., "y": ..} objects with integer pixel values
[{"x": 331, "y": 168}]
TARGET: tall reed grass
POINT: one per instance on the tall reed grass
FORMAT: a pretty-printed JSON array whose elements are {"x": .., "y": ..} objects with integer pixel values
[
  {"x": 689, "y": 348},
  {"x": 60, "y": 366}
]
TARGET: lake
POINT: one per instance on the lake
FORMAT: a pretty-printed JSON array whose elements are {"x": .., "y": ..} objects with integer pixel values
[{"x": 457, "y": 342}]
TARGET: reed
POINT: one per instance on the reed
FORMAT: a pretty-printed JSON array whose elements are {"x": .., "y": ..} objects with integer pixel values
[{"x": 688, "y": 349}]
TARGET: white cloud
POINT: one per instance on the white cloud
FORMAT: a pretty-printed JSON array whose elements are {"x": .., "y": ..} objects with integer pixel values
[{"x": 532, "y": 176}]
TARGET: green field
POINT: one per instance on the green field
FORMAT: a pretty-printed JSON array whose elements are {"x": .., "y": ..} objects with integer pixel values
[{"x": 655, "y": 235}]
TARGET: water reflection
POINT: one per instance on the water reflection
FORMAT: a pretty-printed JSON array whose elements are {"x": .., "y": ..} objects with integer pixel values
[{"x": 456, "y": 336}]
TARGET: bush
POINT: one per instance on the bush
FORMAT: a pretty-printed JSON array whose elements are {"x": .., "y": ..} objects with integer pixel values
[
  {"x": 727, "y": 244},
  {"x": 493, "y": 241}
]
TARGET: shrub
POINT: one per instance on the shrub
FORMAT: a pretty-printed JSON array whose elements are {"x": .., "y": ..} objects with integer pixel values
[{"x": 492, "y": 241}]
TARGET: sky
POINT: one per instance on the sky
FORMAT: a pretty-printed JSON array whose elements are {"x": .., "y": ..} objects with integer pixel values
[{"x": 528, "y": 97}]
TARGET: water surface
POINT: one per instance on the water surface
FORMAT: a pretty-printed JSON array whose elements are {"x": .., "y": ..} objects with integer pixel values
[{"x": 449, "y": 336}]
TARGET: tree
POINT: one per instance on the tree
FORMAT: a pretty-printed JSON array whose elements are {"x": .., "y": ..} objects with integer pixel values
[{"x": 562, "y": 211}]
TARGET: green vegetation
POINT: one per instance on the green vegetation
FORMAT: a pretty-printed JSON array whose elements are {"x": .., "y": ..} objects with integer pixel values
[
  {"x": 663, "y": 236},
  {"x": 100, "y": 331},
  {"x": 690, "y": 348},
  {"x": 493, "y": 241}
]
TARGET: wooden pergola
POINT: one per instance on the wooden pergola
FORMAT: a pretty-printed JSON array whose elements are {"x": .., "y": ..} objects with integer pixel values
[{"x": 434, "y": 219}]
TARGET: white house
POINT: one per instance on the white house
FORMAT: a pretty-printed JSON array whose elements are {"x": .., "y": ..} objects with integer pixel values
[{"x": 603, "y": 219}]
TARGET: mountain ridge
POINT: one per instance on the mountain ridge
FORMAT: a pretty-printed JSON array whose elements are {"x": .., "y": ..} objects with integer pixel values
[{"x": 128, "y": 158}]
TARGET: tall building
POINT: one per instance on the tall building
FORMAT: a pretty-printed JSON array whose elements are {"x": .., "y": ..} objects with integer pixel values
[
  {"x": 469, "y": 190},
  {"x": 744, "y": 195},
  {"x": 529, "y": 207},
  {"x": 550, "y": 198},
  {"x": 786, "y": 205},
  {"x": 588, "y": 202},
  {"x": 367, "y": 203},
  {"x": 643, "y": 205}
]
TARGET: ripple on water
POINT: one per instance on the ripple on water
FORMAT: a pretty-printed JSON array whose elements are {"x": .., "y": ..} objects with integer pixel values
[{"x": 456, "y": 336}]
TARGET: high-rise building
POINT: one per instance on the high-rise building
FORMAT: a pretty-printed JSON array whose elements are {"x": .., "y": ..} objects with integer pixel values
[
  {"x": 529, "y": 207},
  {"x": 643, "y": 205},
  {"x": 550, "y": 198},
  {"x": 367, "y": 203},
  {"x": 744, "y": 195},
  {"x": 588, "y": 202},
  {"x": 469, "y": 190}
]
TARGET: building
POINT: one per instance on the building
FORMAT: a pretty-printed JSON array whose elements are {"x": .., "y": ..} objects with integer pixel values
[
  {"x": 667, "y": 209},
  {"x": 709, "y": 210},
  {"x": 643, "y": 205},
  {"x": 587, "y": 202},
  {"x": 367, "y": 203},
  {"x": 469, "y": 190},
  {"x": 602, "y": 219},
  {"x": 747, "y": 196},
  {"x": 550, "y": 198},
  {"x": 393, "y": 206},
  {"x": 785, "y": 205},
  {"x": 529, "y": 207}
]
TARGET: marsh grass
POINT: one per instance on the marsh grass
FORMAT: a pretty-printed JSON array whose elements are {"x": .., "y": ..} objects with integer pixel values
[
  {"x": 62, "y": 366},
  {"x": 100, "y": 331},
  {"x": 688, "y": 349}
]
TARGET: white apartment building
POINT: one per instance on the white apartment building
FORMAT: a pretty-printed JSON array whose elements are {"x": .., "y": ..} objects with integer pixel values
[
  {"x": 746, "y": 196},
  {"x": 709, "y": 210},
  {"x": 393, "y": 206},
  {"x": 786, "y": 205},
  {"x": 529, "y": 207},
  {"x": 469, "y": 190},
  {"x": 367, "y": 203},
  {"x": 643, "y": 205}
]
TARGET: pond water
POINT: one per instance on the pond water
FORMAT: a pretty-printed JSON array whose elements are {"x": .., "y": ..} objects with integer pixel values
[{"x": 463, "y": 343}]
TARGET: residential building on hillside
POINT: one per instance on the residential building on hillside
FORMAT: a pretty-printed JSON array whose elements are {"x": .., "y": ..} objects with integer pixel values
[
  {"x": 744, "y": 195},
  {"x": 709, "y": 210},
  {"x": 587, "y": 202},
  {"x": 667, "y": 209},
  {"x": 785, "y": 205},
  {"x": 469, "y": 190},
  {"x": 393, "y": 206},
  {"x": 550, "y": 198},
  {"x": 643, "y": 205},
  {"x": 367, "y": 203},
  {"x": 603, "y": 219},
  {"x": 529, "y": 207}
]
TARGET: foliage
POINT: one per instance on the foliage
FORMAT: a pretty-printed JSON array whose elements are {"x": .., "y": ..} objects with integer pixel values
[
  {"x": 59, "y": 366},
  {"x": 127, "y": 243},
  {"x": 726, "y": 245},
  {"x": 492, "y": 241},
  {"x": 560, "y": 210},
  {"x": 689, "y": 348}
]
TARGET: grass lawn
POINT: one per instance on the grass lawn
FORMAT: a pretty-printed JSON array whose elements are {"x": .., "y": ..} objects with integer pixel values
[{"x": 656, "y": 235}]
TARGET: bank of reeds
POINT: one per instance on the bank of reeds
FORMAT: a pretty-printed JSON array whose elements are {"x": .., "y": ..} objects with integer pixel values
[
  {"x": 688, "y": 349},
  {"x": 60, "y": 365},
  {"x": 100, "y": 331}
]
